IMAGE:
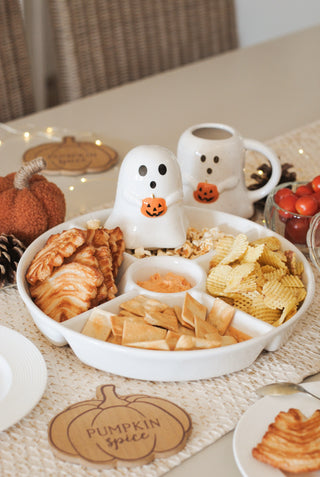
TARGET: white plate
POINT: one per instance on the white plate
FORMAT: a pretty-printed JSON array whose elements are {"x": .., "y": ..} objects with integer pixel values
[
  {"x": 23, "y": 376},
  {"x": 254, "y": 423},
  {"x": 164, "y": 365}
]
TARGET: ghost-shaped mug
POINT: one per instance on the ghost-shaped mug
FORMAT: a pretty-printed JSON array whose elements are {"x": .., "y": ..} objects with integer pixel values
[
  {"x": 149, "y": 199},
  {"x": 212, "y": 159}
]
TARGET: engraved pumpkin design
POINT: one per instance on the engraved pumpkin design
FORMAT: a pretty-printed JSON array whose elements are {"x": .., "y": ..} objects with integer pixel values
[
  {"x": 130, "y": 429},
  {"x": 153, "y": 207},
  {"x": 73, "y": 157},
  {"x": 61, "y": 421},
  {"x": 206, "y": 193}
]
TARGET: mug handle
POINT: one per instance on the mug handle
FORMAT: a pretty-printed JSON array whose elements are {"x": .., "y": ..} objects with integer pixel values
[{"x": 252, "y": 144}]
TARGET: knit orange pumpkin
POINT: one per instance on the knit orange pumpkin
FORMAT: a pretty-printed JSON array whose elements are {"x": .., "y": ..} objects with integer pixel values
[{"x": 29, "y": 203}]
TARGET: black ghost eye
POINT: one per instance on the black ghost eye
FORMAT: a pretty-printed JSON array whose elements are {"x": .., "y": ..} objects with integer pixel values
[
  {"x": 203, "y": 158},
  {"x": 142, "y": 170},
  {"x": 162, "y": 169},
  {"x": 209, "y": 170},
  {"x": 216, "y": 159}
]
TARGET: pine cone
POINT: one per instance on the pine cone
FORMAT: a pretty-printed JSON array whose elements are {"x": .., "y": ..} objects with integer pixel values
[
  {"x": 263, "y": 174},
  {"x": 11, "y": 250}
]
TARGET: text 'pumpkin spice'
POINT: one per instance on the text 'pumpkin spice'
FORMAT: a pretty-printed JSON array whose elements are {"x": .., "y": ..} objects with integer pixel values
[{"x": 117, "y": 430}]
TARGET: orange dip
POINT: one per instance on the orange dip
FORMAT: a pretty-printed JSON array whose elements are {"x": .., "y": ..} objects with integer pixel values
[{"x": 168, "y": 283}]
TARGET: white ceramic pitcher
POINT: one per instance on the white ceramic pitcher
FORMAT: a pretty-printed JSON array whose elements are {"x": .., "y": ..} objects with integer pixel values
[{"x": 212, "y": 158}]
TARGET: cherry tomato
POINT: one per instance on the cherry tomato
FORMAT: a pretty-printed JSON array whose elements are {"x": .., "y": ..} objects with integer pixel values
[
  {"x": 316, "y": 183},
  {"x": 305, "y": 189},
  {"x": 296, "y": 229},
  {"x": 288, "y": 203},
  {"x": 307, "y": 205},
  {"x": 316, "y": 195},
  {"x": 282, "y": 193}
]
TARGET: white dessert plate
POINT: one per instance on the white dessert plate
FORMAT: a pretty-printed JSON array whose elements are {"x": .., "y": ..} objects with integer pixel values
[
  {"x": 23, "y": 376},
  {"x": 254, "y": 423},
  {"x": 165, "y": 365}
]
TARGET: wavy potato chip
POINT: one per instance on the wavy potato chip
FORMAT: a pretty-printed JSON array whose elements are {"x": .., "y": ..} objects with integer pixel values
[
  {"x": 222, "y": 249},
  {"x": 243, "y": 302},
  {"x": 218, "y": 279},
  {"x": 276, "y": 259},
  {"x": 273, "y": 243},
  {"x": 276, "y": 295},
  {"x": 257, "y": 277},
  {"x": 264, "y": 313},
  {"x": 253, "y": 253},
  {"x": 292, "y": 281},
  {"x": 238, "y": 249}
]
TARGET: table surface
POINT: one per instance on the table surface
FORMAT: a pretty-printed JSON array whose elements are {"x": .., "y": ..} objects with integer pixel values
[{"x": 263, "y": 91}]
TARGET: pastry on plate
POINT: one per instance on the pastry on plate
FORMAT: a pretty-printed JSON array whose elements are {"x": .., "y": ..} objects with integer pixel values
[{"x": 292, "y": 442}]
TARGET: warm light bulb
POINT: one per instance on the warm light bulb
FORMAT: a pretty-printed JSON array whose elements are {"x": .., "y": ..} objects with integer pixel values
[
  {"x": 83, "y": 179},
  {"x": 49, "y": 130},
  {"x": 98, "y": 142},
  {"x": 71, "y": 188},
  {"x": 301, "y": 151},
  {"x": 26, "y": 135}
]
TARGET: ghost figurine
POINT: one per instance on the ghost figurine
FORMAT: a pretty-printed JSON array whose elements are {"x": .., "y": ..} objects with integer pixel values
[{"x": 149, "y": 200}]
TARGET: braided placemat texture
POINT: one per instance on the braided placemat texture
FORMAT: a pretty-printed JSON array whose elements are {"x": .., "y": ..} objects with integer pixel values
[{"x": 215, "y": 405}]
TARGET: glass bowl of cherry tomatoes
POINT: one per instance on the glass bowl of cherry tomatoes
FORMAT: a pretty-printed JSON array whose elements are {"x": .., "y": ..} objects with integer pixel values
[{"x": 292, "y": 210}]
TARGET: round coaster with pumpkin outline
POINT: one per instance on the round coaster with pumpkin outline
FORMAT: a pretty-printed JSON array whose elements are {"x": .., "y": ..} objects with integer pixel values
[
  {"x": 113, "y": 431},
  {"x": 71, "y": 157}
]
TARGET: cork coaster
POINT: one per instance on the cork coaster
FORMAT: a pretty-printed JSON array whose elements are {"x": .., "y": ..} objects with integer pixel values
[
  {"x": 73, "y": 157},
  {"x": 113, "y": 431}
]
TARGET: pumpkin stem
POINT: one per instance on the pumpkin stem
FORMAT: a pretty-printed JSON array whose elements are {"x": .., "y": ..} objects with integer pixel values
[
  {"x": 22, "y": 177},
  {"x": 69, "y": 140},
  {"x": 109, "y": 396}
]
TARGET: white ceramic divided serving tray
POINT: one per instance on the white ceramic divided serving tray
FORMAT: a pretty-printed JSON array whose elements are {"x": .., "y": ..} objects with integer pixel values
[{"x": 167, "y": 365}]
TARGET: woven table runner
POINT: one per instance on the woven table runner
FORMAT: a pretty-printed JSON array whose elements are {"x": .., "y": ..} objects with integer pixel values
[{"x": 215, "y": 405}]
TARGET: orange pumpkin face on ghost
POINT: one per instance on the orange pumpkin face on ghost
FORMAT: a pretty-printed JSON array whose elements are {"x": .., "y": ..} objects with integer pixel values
[
  {"x": 153, "y": 207},
  {"x": 206, "y": 193}
]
